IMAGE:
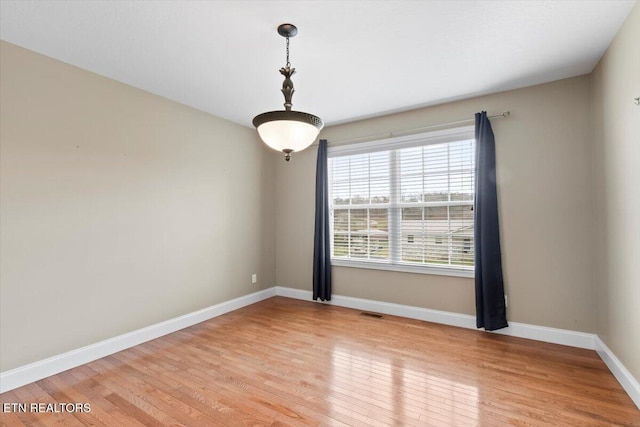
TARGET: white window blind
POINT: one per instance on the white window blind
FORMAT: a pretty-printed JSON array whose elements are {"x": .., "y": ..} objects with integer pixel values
[{"x": 404, "y": 201}]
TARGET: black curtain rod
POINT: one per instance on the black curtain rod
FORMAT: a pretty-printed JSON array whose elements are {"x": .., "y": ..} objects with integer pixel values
[{"x": 413, "y": 130}]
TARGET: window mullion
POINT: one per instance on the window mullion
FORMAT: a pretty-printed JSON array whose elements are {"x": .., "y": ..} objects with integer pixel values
[
  {"x": 449, "y": 234},
  {"x": 395, "y": 214},
  {"x": 424, "y": 247},
  {"x": 369, "y": 208},
  {"x": 368, "y": 233},
  {"x": 349, "y": 214}
]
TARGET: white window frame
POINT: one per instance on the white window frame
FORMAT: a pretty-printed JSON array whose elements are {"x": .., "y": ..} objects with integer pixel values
[{"x": 396, "y": 143}]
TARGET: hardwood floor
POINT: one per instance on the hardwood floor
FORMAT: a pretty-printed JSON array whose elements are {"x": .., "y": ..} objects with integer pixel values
[{"x": 288, "y": 362}]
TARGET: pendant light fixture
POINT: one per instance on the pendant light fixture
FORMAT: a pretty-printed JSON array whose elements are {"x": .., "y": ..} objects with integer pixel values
[{"x": 287, "y": 130}]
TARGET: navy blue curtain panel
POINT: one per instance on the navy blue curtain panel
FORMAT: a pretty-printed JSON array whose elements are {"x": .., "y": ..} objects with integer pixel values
[
  {"x": 491, "y": 313},
  {"x": 321, "y": 239}
]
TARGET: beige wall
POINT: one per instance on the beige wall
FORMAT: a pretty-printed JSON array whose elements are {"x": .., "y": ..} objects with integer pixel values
[
  {"x": 616, "y": 136},
  {"x": 119, "y": 208},
  {"x": 544, "y": 172}
]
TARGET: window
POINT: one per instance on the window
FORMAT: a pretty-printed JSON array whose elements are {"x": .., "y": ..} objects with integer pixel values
[{"x": 405, "y": 203}]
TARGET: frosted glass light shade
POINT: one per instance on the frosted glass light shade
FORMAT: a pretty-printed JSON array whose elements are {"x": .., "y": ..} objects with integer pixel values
[
  {"x": 288, "y": 130},
  {"x": 287, "y": 134}
]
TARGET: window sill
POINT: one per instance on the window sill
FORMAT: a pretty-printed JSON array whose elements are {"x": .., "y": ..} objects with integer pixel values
[{"x": 439, "y": 271}]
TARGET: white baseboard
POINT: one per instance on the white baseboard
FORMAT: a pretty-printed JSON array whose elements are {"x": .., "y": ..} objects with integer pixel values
[
  {"x": 624, "y": 377},
  {"x": 552, "y": 335},
  {"x": 436, "y": 316},
  {"x": 522, "y": 330},
  {"x": 38, "y": 370},
  {"x": 26, "y": 374}
]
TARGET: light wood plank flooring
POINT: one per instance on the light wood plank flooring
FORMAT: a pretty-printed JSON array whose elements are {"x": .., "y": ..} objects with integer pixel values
[{"x": 287, "y": 362}]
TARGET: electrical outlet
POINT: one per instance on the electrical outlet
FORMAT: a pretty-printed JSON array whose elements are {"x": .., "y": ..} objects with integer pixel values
[
  {"x": 506, "y": 301},
  {"x": 254, "y": 278}
]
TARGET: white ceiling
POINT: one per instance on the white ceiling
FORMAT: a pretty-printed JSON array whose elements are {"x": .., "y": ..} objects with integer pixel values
[{"x": 354, "y": 59}]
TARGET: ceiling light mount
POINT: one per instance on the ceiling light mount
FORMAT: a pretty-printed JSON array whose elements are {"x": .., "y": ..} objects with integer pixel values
[
  {"x": 288, "y": 130},
  {"x": 287, "y": 30}
]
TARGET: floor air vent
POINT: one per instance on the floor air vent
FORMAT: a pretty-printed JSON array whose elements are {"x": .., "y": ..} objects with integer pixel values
[{"x": 376, "y": 315}]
